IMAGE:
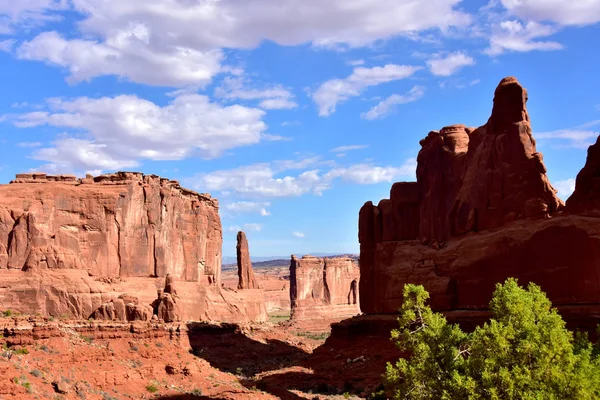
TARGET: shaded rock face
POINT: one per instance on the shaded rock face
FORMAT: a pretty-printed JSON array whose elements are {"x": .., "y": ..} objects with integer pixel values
[
  {"x": 482, "y": 210},
  {"x": 124, "y": 224},
  {"x": 323, "y": 288},
  {"x": 586, "y": 197},
  {"x": 245, "y": 271}
]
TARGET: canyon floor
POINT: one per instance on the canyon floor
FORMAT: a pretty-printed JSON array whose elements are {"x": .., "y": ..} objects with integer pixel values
[{"x": 57, "y": 358}]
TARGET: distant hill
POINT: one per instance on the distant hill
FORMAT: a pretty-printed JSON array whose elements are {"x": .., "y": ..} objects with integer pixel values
[{"x": 282, "y": 261}]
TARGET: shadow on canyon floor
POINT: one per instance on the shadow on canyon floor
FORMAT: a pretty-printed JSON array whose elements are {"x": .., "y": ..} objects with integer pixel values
[
  {"x": 349, "y": 363},
  {"x": 226, "y": 348}
]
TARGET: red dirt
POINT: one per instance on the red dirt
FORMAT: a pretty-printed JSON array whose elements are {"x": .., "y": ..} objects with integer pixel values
[{"x": 100, "y": 360}]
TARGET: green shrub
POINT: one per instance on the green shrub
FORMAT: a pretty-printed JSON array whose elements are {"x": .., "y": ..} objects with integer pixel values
[
  {"x": 523, "y": 352},
  {"x": 152, "y": 388}
]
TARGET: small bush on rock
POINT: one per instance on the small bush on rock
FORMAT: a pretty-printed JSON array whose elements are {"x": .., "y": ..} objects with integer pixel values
[{"x": 523, "y": 352}]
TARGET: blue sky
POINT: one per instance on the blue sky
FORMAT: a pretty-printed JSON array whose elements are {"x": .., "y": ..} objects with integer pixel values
[{"x": 291, "y": 113}]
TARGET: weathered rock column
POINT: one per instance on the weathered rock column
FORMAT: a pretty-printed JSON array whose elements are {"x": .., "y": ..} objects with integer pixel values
[{"x": 245, "y": 271}]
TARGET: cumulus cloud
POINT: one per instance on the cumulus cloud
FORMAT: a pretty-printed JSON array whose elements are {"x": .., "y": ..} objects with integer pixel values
[
  {"x": 128, "y": 39},
  {"x": 335, "y": 91},
  {"x": 120, "y": 131},
  {"x": 366, "y": 174},
  {"x": 578, "y": 13},
  {"x": 387, "y": 105},
  {"x": 271, "y": 98},
  {"x": 449, "y": 64},
  {"x": 565, "y": 188},
  {"x": 298, "y": 234},
  {"x": 579, "y": 137},
  {"x": 266, "y": 180},
  {"x": 28, "y": 13},
  {"x": 128, "y": 55},
  {"x": 518, "y": 37},
  {"x": 248, "y": 207}
]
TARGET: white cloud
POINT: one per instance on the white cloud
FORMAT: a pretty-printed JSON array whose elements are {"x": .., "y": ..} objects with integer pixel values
[
  {"x": 260, "y": 180},
  {"x": 575, "y": 12},
  {"x": 516, "y": 36},
  {"x": 179, "y": 42},
  {"x": 28, "y": 13},
  {"x": 356, "y": 63},
  {"x": 6, "y": 45},
  {"x": 446, "y": 65},
  {"x": 272, "y": 98},
  {"x": 298, "y": 234},
  {"x": 247, "y": 207},
  {"x": 458, "y": 83},
  {"x": 343, "y": 149},
  {"x": 120, "y": 131},
  {"x": 565, "y": 188},
  {"x": 334, "y": 91},
  {"x": 366, "y": 174},
  {"x": 291, "y": 123},
  {"x": 246, "y": 227},
  {"x": 29, "y": 144},
  {"x": 127, "y": 55},
  {"x": 264, "y": 180},
  {"x": 386, "y": 106},
  {"x": 579, "y": 137}
]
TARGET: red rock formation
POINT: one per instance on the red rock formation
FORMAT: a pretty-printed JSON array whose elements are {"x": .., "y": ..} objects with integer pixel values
[
  {"x": 73, "y": 246},
  {"x": 245, "y": 271},
  {"x": 323, "y": 288},
  {"x": 586, "y": 197},
  {"x": 123, "y": 224},
  {"x": 168, "y": 307},
  {"x": 486, "y": 211}
]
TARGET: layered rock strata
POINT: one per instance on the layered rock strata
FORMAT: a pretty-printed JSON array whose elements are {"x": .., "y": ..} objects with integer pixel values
[
  {"x": 482, "y": 209},
  {"x": 323, "y": 288},
  {"x": 72, "y": 246}
]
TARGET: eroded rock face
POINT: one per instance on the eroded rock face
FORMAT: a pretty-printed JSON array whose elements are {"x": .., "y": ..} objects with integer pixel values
[
  {"x": 485, "y": 211},
  {"x": 124, "y": 224},
  {"x": 79, "y": 247},
  {"x": 245, "y": 271},
  {"x": 324, "y": 288},
  {"x": 168, "y": 305}
]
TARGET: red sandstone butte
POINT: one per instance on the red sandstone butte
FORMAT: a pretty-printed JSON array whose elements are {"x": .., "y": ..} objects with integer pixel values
[
  {"x": 483, "y": 210},
  {"x": 323, "y": 288},
  {"x": 70, "y": 245},
  {"x": 245, "y": 271}
]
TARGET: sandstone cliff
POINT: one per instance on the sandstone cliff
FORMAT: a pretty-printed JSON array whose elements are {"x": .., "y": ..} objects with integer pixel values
[
  {"x": 323, "y": 288},
  {"x": 74, "y": 246},
  {"x": 123, "y": 224},
  {"x": 482, "y": 210}
]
